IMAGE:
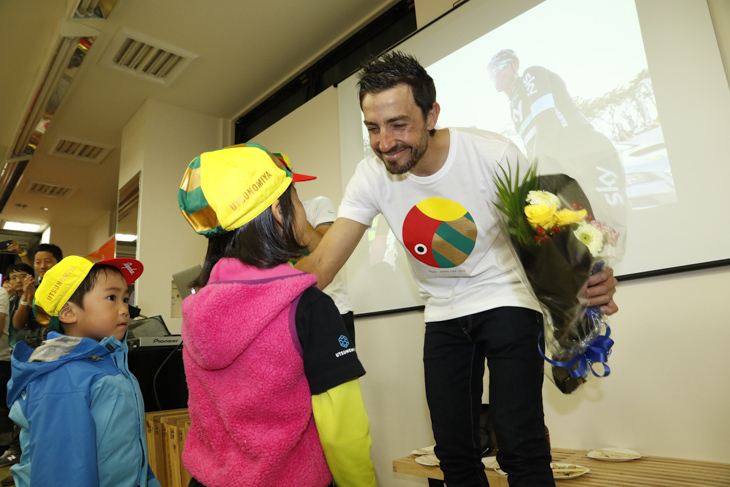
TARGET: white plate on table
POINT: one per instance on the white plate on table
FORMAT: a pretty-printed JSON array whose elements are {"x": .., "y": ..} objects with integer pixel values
[
  {"x": 490, "y": 463},
  {"x": 428, "y": 460},
  {"x": 427, "y": 450},
  {"x": 614, "y": 454},
  {"x": 563, "y": 471}
]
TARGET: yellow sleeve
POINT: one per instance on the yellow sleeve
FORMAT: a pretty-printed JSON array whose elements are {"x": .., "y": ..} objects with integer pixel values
[{"x": 344, "y": 432}]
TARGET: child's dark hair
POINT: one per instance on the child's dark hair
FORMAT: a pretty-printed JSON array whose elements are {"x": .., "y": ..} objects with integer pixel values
[
  {"x": 55, "y": 250},
  {"x": 89, "y": 282},
  {"x": 20, "y": 267},
  {"x": 261, "y": 243}
]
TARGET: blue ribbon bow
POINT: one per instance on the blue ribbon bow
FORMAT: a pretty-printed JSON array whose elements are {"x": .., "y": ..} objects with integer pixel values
[{"x": 597, "y": 352}]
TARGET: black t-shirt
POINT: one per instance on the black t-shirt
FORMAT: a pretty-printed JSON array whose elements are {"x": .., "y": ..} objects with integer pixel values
[
  {"x": 328, "y": 354},
  {"x": 543, "y": 110}
]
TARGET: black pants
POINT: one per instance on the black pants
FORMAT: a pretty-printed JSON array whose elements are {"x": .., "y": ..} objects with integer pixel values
[
  {"x": 6, "y": 425},
  {"x": 454, "y": 353}
]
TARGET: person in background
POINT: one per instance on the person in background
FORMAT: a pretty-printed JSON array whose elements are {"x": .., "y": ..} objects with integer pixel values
[
  {"x": 435, "y": 187},
  {"x": 321, "y": 215},
  {"x": 274, "y": 392},
  {"x": 13, "y": 285},
  {"x": 79, "y": 407},
  {"x": 21, "y": 318},
  {"x": 44, "y": 257},
  {"x": 22, "y": 253},
  {"x": 6, "y": 426}
]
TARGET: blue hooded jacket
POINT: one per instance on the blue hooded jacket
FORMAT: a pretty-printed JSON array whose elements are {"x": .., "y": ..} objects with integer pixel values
[{"x": 81, "y": 415}]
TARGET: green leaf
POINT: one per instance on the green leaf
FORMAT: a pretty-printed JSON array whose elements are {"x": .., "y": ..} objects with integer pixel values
[{"x": 512, "y": 196}]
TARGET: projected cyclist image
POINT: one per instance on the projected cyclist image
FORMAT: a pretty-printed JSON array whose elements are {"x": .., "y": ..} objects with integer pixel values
[{"x": 556, "y": 133}]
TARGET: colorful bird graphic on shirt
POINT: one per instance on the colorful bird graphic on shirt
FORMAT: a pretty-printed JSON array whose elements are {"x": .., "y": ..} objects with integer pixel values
[{"x": 439, "y": 232}]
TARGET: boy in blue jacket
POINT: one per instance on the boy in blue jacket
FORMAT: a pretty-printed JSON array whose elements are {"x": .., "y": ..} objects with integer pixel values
[{"x": 79, "y": 408}]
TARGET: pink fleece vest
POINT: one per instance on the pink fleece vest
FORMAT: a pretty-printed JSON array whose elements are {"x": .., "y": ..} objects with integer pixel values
[{"x": 250, "y": 404}]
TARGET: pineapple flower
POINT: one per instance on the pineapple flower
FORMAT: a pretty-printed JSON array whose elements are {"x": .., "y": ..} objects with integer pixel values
[{"x": 591, "y": 236}]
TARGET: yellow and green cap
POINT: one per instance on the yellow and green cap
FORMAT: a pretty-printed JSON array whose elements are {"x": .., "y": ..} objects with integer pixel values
[
  {"x": 224, "y": 189},
  {"x": 63, "y": 279}
]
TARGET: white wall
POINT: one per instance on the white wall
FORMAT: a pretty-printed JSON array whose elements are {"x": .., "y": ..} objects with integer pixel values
[
  {"x": 315, "y": 154},
  {"x": 101, "y": 231},
  {"x": 161, "y": 140},
  {"x": 668, "y": 391},
  {"x": 73, "y": 240}
]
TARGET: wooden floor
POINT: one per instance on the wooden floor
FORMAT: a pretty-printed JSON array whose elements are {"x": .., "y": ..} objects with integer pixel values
[
  {"x": 4, "y": 472},
  {"x": 644, "y": 472}
]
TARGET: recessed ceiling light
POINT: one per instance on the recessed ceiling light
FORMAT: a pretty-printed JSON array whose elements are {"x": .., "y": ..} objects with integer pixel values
[
  {"x": 22, "y": 227},
  {"x": 122, "y": 237},
  {"x": 44, "y": 208}
]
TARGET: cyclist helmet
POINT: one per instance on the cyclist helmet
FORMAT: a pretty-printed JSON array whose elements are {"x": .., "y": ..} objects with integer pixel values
[{"x": 500, "y": 60}]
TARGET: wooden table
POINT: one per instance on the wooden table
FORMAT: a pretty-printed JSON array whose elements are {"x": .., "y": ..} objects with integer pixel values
[{"x": 644, "y": 472}]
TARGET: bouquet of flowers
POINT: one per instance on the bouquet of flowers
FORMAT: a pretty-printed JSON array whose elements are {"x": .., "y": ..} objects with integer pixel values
[{"x": 560, "y": 243}]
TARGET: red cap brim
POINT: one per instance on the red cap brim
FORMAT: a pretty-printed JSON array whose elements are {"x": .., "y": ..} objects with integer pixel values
[{"x": 298, "y": 178}]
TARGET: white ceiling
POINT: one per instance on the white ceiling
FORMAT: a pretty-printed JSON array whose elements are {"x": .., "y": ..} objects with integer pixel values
[{"x": 246, "y": 49}]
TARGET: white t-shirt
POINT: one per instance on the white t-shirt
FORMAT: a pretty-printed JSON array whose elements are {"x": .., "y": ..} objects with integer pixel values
[
  {"x": 321, "y": 211},
  {"x": 4, "y": 311},
  {"x": 448, "y": 225}
]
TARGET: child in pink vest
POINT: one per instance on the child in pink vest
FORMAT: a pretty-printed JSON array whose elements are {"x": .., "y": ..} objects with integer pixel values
[{"x": 273, "y": 379}]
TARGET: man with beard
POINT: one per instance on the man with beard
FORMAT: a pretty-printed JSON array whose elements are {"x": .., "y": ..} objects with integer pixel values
[{"x": 435, "y": 189}]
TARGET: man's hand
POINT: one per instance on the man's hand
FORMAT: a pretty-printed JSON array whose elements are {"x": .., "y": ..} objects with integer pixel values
[
  {"x": 600, "y": 291},
  {"x": 15, "y": 247},
  {"x": 28, "y": 289}
]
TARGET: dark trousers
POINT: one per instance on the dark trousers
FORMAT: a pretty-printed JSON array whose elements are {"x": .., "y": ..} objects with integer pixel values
[
  {"x": 6, "y": 425},
  {"x": 454, "y": 353}
]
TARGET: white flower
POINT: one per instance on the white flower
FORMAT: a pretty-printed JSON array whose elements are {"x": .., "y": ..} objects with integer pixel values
[
  {"x": 542, "y": 198},
  {"x": 591, "y": 236}
]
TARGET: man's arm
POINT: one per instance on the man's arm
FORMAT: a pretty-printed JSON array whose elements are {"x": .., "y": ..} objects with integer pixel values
[
  {"x": 22, "y": 312},
  {"x": 22, "y": 253},
  {"x": 333, "y": 250}
]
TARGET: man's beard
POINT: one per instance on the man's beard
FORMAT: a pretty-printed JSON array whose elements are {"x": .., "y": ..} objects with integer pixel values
[{"x": 417, "y": 152}]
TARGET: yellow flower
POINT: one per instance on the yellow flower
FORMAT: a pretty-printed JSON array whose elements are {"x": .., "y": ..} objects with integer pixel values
[
  {"x": 542, "y": 215},
  {"x": 566, "y": 216}
]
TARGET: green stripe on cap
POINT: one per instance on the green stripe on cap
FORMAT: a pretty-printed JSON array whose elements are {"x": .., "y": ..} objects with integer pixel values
[
  {"x": 195, "y": 164},
  {"x": 192, "y": 201},
  {"x": 258, "y": 146}
]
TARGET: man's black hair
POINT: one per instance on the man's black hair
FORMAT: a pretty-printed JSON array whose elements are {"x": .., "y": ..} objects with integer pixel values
[
  {"x": 395, "y": 68},
  {"x": 19, "y": 267},
  {"x": 55, "y": 250},
  {"x": 260, "y": 243}
]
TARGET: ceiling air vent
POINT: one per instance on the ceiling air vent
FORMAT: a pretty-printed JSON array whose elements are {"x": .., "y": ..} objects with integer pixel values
[
  {"x": 93, "y": 9},
  {"x": 49, "y": 189},
  {"x": 146, "y": 58},
  {"x": 78, "y": 149}
]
